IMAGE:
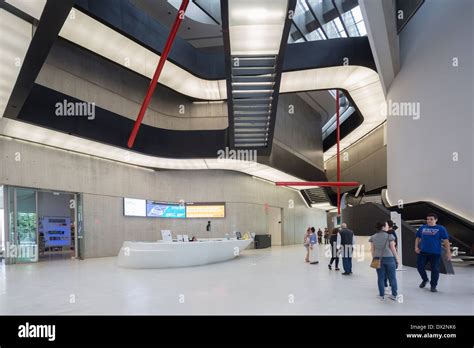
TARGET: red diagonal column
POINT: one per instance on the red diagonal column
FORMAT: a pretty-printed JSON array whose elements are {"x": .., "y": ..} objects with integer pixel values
[{"x": 156, "y": 76}]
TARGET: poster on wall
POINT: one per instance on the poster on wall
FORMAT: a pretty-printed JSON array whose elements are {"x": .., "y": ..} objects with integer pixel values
[
  {"x": 134, "y": 207},
  {"x": 165, "y": 210},
  {"x": 205, "y": 210}
]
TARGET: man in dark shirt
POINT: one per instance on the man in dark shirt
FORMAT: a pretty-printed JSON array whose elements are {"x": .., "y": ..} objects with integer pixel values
[
  {"x": 320, "y": 235},
  {"x": 346, "y": 241},
  {"x": 392, "y": 228}
]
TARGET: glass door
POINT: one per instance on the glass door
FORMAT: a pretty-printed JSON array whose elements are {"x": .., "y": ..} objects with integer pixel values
[
  {"x": 23, "y": 223},
  {"x": 79, "y": 226}
]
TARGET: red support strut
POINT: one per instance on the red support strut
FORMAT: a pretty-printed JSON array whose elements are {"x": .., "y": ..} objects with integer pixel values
[
  {"x": 317, "y": 183},
  {"x": 156, "y": 76}
]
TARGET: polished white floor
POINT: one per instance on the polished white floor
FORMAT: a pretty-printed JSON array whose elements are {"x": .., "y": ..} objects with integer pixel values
[{"x": 268, "y": 281}]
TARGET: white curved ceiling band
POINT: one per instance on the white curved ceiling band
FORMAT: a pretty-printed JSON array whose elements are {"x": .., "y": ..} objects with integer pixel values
[
  {"x": 43, "y": 136},
  {"x": 106, "y": 42},
  {"x": 363, "y": 85}
]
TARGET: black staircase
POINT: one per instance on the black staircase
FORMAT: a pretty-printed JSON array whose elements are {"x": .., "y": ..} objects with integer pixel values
[{"x": 253, "y": 83}]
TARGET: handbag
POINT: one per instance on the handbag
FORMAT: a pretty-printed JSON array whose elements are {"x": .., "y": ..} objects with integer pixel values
[{"x": 377, "y": 261}]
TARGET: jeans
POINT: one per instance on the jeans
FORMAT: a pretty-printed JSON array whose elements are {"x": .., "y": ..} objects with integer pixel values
[
  {"x": 387, "y": 268},
  {"x": 347, "y": 264},
  {"x": 386, "y": 280},
  {"x": 434, "y": 260},
  {"x": 336, "y": 259}
]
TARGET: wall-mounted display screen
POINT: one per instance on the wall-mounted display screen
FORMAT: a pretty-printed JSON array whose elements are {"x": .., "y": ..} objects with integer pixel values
[
  {"x": 156, "y": 209},
  {"x": 134, "y": 207},
  {"x": 165, "y": 210},
  {"x": 205, "y": 210}
]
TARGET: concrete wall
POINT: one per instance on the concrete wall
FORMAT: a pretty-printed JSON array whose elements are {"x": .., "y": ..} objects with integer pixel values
[
  {"x": 81, "y": 74},
  {"x": 365, "y": 162},
  {"x": 104, "y": 184},
  {"x": 298, "y": 128},
  {"x": 422, "y": 152},
  {"x": 54, "y": 205}
]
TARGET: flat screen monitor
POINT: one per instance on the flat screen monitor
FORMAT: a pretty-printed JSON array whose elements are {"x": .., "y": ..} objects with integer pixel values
[
  {"x": 205, "y": 210},
  {"x": 134, "y": 207},
  {"x": 165, "y": 210}
]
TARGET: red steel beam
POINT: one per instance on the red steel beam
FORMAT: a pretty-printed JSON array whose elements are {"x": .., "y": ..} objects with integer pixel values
[
  {"x": 159, "y": 68},
  {"x": 317, "y": 183}
]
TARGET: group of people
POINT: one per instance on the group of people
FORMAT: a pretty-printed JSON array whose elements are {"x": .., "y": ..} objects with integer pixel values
[
  {"x": 430, "y": 238},
  {"x": 320, "y": 234},
  {"x": 341, "y": 241}
]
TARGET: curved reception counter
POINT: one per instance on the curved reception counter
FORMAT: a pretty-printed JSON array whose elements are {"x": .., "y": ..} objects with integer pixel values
[{"x": 163, "y": 254}]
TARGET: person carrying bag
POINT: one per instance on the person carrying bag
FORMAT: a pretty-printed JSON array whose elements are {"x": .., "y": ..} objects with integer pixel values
[
  {"x": 377, "y": 261},
  {"x": 386, "y": 263}
]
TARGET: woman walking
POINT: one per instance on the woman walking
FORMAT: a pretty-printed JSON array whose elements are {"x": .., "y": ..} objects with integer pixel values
[
  {"x": 334, "y": 251},
  {"x": 385, "y": 259}
]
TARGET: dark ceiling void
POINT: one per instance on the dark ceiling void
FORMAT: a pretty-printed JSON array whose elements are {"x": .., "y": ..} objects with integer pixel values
[
  {"x": 346, "y": 127},
  {"x": 138, "y": 26},
  {"x": 405, "y": 10},
  {"x": 328, "y": 53},
  {"x": 130, "y": 21},
  {"x": 109, "y": 128},
  {"x": 52, "y": 19}
]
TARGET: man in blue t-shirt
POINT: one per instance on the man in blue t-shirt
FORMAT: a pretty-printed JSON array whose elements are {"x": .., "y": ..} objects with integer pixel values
[{"x": 428, "y": 247}]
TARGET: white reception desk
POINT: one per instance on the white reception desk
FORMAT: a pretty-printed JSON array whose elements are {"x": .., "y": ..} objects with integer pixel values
[{"x": 163, "y": 254}]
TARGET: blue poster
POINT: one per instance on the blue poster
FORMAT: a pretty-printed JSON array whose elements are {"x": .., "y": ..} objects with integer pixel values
[{"x": 165, "y": 210}]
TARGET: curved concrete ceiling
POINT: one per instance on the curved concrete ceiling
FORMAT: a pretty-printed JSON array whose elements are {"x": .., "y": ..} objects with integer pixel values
[
  {"x": 43, "y": 136},
  {"x": 362, "y": 84}
]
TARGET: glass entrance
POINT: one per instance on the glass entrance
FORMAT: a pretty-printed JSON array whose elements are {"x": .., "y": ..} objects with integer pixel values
[{"x": 23, "y": 221}]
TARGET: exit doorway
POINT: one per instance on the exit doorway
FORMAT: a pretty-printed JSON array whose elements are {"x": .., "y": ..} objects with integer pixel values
[{"x": 274, "y": 224}]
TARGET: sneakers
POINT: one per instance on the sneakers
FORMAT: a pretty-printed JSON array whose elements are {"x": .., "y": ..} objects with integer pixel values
[
  {"x": 337, "y": 269},
  {"x": 433, "y": 289},
  {"x": 381, "y": 298},
  {"x": 329, "y": 266},
  {"x": 423, "y": 284},
  {"x": 395, "y": 298}
]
